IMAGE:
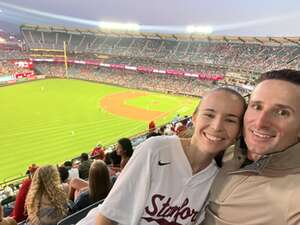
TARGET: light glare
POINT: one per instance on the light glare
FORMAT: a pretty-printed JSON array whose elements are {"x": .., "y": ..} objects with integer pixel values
[
  {"x": 199, "y": 29},
  {"x": 119, "y": 26}
]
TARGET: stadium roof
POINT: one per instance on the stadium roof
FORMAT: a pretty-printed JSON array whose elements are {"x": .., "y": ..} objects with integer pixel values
[
  {"x": 230, "y": 17},
  {"x": 178, "y": 37}
]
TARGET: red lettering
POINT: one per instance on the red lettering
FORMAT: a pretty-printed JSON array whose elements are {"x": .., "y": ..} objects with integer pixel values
[
  {"x": 152, "y": 213},
  {"x": 185, "y": 203},
  {"x": 195, "y": 215},
  {"x": 163, "y": 209},
  {"x": 164, "y": 206}
]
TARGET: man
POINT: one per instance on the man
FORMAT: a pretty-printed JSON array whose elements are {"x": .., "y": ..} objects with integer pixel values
[
  {"x": 98, "y": 152},
  {"x": 261, "y": 185},
  {"x": 84, "y": 166}
]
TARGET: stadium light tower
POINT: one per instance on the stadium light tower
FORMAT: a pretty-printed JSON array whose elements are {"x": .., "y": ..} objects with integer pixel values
[
  {"x": 119, "y": 26},
  {"x": 199, "y": 29}
]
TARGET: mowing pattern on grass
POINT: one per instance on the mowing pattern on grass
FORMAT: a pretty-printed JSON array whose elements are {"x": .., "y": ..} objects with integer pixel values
[{"x": 49, "y": 121}]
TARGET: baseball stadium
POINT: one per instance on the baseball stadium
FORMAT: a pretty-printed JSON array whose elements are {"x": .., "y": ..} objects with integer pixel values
[{"x": 71, "y": 95}]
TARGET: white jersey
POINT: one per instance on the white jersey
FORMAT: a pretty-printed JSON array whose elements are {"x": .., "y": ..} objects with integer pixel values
[{"x": 157, "y": 187}]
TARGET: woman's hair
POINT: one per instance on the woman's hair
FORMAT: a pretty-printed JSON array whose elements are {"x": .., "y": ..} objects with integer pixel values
[
  {"x": 99, "y": 181},
  {"x": 113, "y": 158},
  {"x": 63, "y": 173},
  {"x": 45, "y": 184},
  {"x": 126, "y": 146},
  {"x": 229, "y": 90}
]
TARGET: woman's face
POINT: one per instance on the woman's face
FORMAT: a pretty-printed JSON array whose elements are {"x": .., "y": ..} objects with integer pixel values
[
  {"x": 217, "y": 121},
  {"x": 120, "y": 150}
]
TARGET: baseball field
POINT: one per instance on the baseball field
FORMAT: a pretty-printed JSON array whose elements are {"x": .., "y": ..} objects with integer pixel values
[{"x": 50, "y": 121}]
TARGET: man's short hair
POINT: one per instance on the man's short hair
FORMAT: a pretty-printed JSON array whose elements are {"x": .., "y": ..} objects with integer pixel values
[
  {"x": 84, "y": 157},
  {"x": 292, "y": 76},
  {"x": 68, "y": 164}
]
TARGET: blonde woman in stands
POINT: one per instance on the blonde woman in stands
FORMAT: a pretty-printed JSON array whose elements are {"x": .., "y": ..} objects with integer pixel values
[
  {"x": 168, "y": 178},
  {"x": 46, "y": 202}
]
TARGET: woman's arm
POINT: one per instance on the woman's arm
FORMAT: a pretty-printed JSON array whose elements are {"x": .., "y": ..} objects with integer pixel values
[{"x": 102, "y": 220}]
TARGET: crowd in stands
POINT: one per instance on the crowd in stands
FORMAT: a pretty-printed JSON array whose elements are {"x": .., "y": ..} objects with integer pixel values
[
  {"x": 50, "y": 193},
  {"x": 246, "y": 59},
  {"x": 7, "y": 67},
  {"x": 13, "y": 54},
  {"x": 255, "y": 57},
  {"x": 154, "y": 82}
]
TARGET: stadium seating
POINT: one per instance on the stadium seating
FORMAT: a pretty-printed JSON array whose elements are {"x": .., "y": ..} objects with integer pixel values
[
  {"x": 74, "y": 218},
  {"x": 237, "y": 54}
]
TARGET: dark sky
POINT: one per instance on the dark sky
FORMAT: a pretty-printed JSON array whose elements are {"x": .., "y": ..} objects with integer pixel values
[{"x": 228, "y": 17}]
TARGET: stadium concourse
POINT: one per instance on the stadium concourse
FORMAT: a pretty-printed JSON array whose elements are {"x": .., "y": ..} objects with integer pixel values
[{"x": 237, "y": 61}]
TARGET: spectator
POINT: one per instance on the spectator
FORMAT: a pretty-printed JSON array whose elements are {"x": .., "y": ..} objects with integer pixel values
[
  {"x": 125, "y": 150},
  {"x": 113, "y": 160},
  {"x": 64, "y": 178},
  {"x": 98, "y": 186},
  {"x": 72, "y": 170},
  {"x": 152, "y": 130},
  {"x": 46, "y": 202},
  {"x": 84, "y": 166},
  {"x": 151, "y": 126},
  {"x": 260, "y": 184},
  {"x": 98, "y": 152},
  {"x": 18, "y": 212},
  {"x": 174, "y": 175},
  {"x": 176, "y": 119}
]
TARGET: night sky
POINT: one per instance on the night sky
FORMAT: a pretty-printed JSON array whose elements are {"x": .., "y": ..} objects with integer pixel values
[{"x": 228, "y": 17}]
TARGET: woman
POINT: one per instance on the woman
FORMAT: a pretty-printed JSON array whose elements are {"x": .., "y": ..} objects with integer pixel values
[
  {"x": 168, "y": 179},
  {"x": 18, "y": 212},
  {"x": 125, "y": 150},
  {"x": 46, "y": 202},
  {"x": 98, "y": 186}
]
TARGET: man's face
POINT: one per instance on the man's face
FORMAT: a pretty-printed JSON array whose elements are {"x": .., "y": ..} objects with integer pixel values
[{"x": 272, "y": 119}]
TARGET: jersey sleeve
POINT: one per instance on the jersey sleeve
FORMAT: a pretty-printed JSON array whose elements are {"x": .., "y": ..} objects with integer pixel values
[{"x": 125, "y": 202}]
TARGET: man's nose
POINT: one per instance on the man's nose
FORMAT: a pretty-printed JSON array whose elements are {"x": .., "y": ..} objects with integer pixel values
[{"x": 262, "y": 120}]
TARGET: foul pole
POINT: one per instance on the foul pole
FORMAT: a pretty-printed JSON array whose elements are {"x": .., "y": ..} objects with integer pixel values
[{"x": 66, "y": 58}]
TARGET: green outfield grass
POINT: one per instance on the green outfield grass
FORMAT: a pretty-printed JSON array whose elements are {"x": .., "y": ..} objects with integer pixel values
[{"x": 50, "y": 121}]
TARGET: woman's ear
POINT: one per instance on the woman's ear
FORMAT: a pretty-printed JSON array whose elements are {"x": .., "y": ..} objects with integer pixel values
[{"x": 194, "y": 117}]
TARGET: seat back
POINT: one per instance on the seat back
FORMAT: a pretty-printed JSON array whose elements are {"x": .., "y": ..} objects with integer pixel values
[{"x": 75, "y": 217}]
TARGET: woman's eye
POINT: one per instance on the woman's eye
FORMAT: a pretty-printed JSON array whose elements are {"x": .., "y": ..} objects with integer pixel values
[
  {"x": 231, "y": 121},
  {"x": 209, "y": 115}
]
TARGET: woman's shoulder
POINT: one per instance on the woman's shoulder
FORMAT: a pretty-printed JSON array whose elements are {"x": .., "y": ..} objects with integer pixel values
[
  {"x": 162, "y": 140},
  {"x": 155, "y": 145}
]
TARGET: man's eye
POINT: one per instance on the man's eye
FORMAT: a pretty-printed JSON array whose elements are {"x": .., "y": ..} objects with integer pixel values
[
  {"x": 282, "y": 112},
  {"x": 255, "y": 107}
]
